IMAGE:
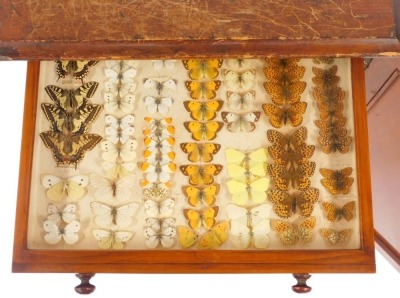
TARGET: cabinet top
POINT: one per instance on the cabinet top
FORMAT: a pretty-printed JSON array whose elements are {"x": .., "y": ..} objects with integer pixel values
[{"x": 190, "y": 28}]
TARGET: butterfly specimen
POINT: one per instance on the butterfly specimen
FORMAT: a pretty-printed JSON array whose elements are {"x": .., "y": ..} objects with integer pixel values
[
  {"x": 67, "y": 214},
  {"x": 203, "y": 131},
  {"x": 159, "y": 145},
  {"x": 160, "y": 223},
  {"x": 119, "y": 123},
  {"x": 121, "y": 73},
  {"x": 165, "y": 236},
  {"x": 335, "y": 143},
  {"x": 291, "y": 157},
  {"x": 106, "y": 215},
  {"x": 71, "y": 99},
  {"x": 215, "y": 237},
  {"x": 158, "y": 104},
  {"x": 205, "y": 90},
  {"x": 239, "y": 81},
  {"x": 160, "y": 124},
  {"x": 55, "y": 233},
  {"x": 203, "y": 110},
  {"x": 115, "y": 170},
  {"x": 205, "y": 218},
  {"x": 326, "y": 77},
  {"x": 158, "y": 172},
  {"x": 243, "y": 122},
  {"x": 119, "y": 135},
  {"x": 69, "y": 150},
  {"x": 279, "y": 116},
  {"x": 246, "y": 174},
  {"x": 202, "y": 69},
  {"x": 242, "y": 192},
  {"x": 58, "y": 188},
  {"x": 111, "y": 151},
  {"x": 156, "y": 88},
  {"x": 286, "y": 141},
  {"x": 200, "y": 151},
  {"x": 187, "y": 237},
  {"x": 119, "y": 102},
  {"x": 241, "y": 101},
  {"x": 167, "y": 64},
  {"x": 294, "y": 177},
  {"x": 334, "y": 213},
  {"x": 198, "y": 195},
  {"x": 247, "y": 158},
  {"x": 239, "y": 63},
  {"x": 78, "y": 69},
  {"x": 107, "y": 190},
  {"x": 156, "y": 191},
  {"x": 285, "y": 204},
  {"x": 337, "y": 181},
  {"x": 163, "y": 208},
  {"x": 201, "y": 174},
  {"x": 248, "y": 216},
  {"x": 290, "y": 234},
  {"x": 110, "y": 239},
  {"x": 335, "y": 237}
]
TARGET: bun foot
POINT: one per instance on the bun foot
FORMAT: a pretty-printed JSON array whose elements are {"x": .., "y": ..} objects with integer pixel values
[
  {"x": 301, "y": 286},
  {"x": 85, "y": 287}
]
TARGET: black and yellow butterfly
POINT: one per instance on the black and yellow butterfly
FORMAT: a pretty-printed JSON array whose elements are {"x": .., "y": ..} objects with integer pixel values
[{"x": 78, "y": 68}]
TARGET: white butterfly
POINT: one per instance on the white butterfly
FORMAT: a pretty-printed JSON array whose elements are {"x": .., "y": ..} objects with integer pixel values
[
  {"x": 123, "y": 75},
  {"x": 58, "y": 188},
  {"x": 118, "y": 169},
  {"x": 243, "y": 236},
  {"x": 160, "y": 223},
  {"x": 119, "y": 89},
  {"x": 160, "y": 124},
  {"x": 54, "y": 233},
  {"x": 156, "y": 88},
  {"x": 122, "y": 216},
  {"x": 120, "y": 189},
  {"x": 168, "y": 64},
  {"x": 67, "y": 215},
  {"x": 239, "y": 63},
  {"x": 157, "y": 104},
  {"x": 248, "y": 217},
  {"x": 119, "y": 123},
  {"x": 154, "y": 157},
  {"x": 111, "y": 151},
  {"x": 237, "y": 81},
  {"x": 111, "y": 239},
  {"x": 241, "y": 101},
  {"x": 244, "y": 122},
  {"x": 158, "y": 172},
  {"x": 162, "y": 208},
  {"x": 121, "y": 101},
  {"x": 119, "y": 135},
  {"x": 162, "y": 146},
  {"x": 163, "y": 236}
]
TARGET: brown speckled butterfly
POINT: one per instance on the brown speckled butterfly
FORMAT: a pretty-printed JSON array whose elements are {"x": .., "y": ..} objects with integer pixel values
[
  {"x": 79, "y": 68},
  {"x": 335, "y": 237},
  {"x": 291, "y": 157},
  {"x": 286, "y": 141},
  {"x": 337, "y": 181},
  {"x": 335, "y": 143},
  {"x": 285, "y": 204},
  {"x": 294, "y": 177},
  {"x": 326, "y": 77},
  {"x": 290, "y": 234},
  {"x": 334, "y": 213},
  {"x": 288, "y": 114}
]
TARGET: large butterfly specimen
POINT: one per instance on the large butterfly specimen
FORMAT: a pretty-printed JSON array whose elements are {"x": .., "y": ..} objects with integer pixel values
[{"x": 77, "y": 68}]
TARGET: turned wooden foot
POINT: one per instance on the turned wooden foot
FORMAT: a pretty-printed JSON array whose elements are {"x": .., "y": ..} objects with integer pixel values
[
  {"x": 85, "y": 287},
  {"x": 301, "y": 286}
]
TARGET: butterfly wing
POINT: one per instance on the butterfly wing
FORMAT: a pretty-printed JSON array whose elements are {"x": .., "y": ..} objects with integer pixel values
[
  {"x": 55, "y": 187},
  {"x": 104, "y": 214},
  {"x": 240, "y": 235},
  {"x": 70, "y": 233},
  {"x": 103, "y": 187},
  {"x": 187, "y": 237},
  {"x": 215, "y": 237}
]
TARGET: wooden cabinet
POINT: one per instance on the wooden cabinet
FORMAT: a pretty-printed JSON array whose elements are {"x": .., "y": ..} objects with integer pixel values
[{"x": 279, "y": 205}]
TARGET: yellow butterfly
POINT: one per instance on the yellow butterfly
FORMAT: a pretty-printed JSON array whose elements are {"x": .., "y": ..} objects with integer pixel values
[
  {"x": 201, "y": 194},
  {"x": 290, "y": 234},
  {"x": 285, "y": 204},
  {"x": 73, "y": 187},
  {"x": 334, "y": 212},
  {"x": 246, "y": 158},
  {"x": 199, "y": 175},
  {"x": 110, "y": 239},
  {"x": 279, "y": 116},
  {"x": 197, "y": 219},
  {"x": 236, "y": 81},
  {"x": 200, "y": 151},
  {"x": 242, "y": 192},
  {"x": 203, "y": 110},
  {"x": 335, "y": 237},
  {"x": 337, "y": 181},
  {"x": 202, "y": 69},
  {"x": 216, "y": 236},
  {"x": 246, "y": 174},
  {"x": 205, "y": 90},
  {"x": 187, "y": 237},
  {"x": 203, "y": 131}
]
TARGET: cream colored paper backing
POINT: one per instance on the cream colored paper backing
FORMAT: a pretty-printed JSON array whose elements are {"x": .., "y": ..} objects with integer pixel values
[{"x": 43, "y": 162}]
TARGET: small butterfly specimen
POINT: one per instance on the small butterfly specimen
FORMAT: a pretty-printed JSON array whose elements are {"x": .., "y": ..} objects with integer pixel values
[
  {"x": 110, "y": 190},
  {"x": 201, "y": 195},
  {"x": 203, "y": 110},
  {"x": 326, "y": 77},
  {"x": 291, "y": 157},
  {"x": 69, "y": 150},
  {"x": 200, "y": 151},
  {"x": 290, "y": 234},
  {"x": 206, "y": 90},
  {"x": 78, "y": 69},
  {"x": 187, "y": 237},
  {"x": 55, "y": 233},
  {"x": 158, "y": 172},
  {"x": 337, "y": 181},
  {"x": 286, "y": 141},
  {"x": 243, "y": 192},
  {"x": 164, "y": 236},
  {"x": 201, "y": 174},
  {"x": 58, "y": 188},
  {"x": 288, "y": 114},
  {"x": 205, "y": 218},
  {"x": 335, "y": 142},
  {"x": 71, "y": 99},
  {"x": 241, "y": 101},
  {"x": 203, "y": 131},
  {"x": 239, "y": 81},
  {"x": 335, "y": 237},
  {"x": 215, "y": 237},
  {"x": 294, "y": 177},
  {"x": 158, "y": 104},
  {"x": 239, "y": 63},
  {"x": 334, "y": 213},
  {"x": 156, "y": 88},
  {"x": 282, "y": 64},
  {"x": 106, "y": 215},
  {"x": 111, "y": 239},
  {"x": 161, "y": 208},
  {"x": 202, "y": 69},
  {"x": 113, "y": 152},
  {"x": 67, "y": 214},
  {"x": 285, "y": 204},
  {"x": 243, "y": 122}
]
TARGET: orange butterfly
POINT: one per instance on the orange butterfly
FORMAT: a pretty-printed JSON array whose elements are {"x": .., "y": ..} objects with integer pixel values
[
  {"x": 197, "y": 219},
  {"x": 202, "y": 69},
  {"x": 200, "y": 175},
  {"x": 335, "y": 237},
  {"x": 200, "y": 151},
  {"x": 334, "y": 212},
  {"x": 201, "y": 194},
  {"x": 203, "y": 89},
  {"x": 215, "y": 237},
  {"x": 334, "y": 143},
  {"x": 326, "y": 77},
  {"x": 294, "y": 177},
  {"x": 279, "y": 116},
  {"x": 291, "y": 157},
  {"x": 290, "y": 234},
  {"x": 203, "y": 131},
  {"x": 203, "y": 110},
  {"x": 337, "y": 181},
  {"x": 286, "y": 141}
]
